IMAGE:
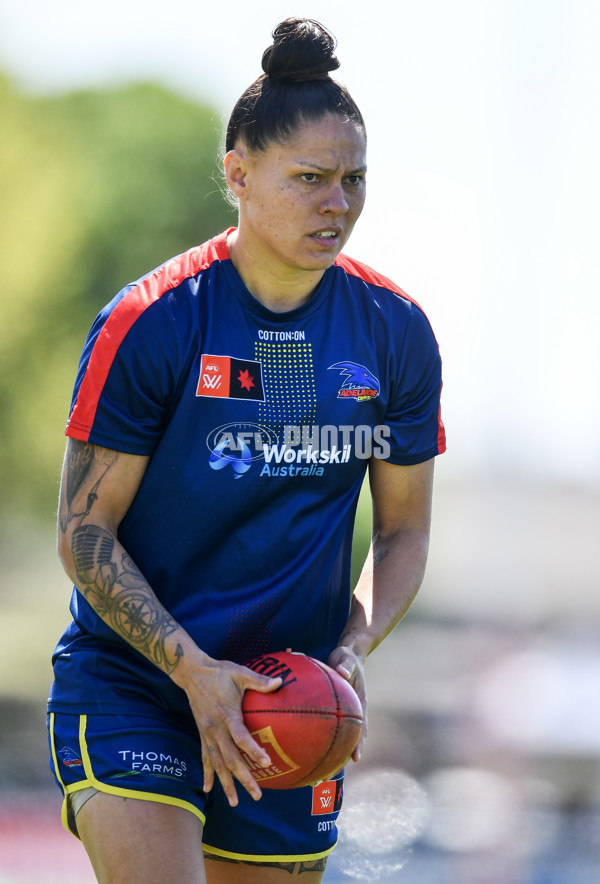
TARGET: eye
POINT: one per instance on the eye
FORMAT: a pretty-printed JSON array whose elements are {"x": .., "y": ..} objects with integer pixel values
[
  {"x": 355, "y": 180},
  {"x": 310, "y": 177}
]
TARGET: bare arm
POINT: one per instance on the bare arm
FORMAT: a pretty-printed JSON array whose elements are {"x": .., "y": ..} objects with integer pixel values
[
  {"x": 394, "y": 568},
  {"x": 97, "y": 488}
]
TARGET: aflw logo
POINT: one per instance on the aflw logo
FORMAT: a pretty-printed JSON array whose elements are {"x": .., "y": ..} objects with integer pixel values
[
  {"x": 228, "y": 377},
  {"x": 211, "y": 382},
  {"x": 327, "y": 797}
]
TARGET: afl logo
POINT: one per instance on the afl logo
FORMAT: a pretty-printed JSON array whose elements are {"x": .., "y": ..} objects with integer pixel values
[{"x": 237, "y": 445}]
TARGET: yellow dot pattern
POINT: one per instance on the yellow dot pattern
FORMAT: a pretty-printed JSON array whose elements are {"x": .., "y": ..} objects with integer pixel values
[{"x": 289, "y": 379}]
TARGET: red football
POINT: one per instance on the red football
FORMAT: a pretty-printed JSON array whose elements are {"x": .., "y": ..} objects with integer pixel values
[{"x": 309, "y": 726}]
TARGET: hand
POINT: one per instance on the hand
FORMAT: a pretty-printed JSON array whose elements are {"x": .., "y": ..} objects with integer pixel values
[
  {"x": 215, "y": 689},
  {"x": 351, "y": 667}
]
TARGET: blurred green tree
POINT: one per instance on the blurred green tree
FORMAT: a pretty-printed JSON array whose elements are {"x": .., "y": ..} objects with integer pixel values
[{"x": 98, "y": 188}]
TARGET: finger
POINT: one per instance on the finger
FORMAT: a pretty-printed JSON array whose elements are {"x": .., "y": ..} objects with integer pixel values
[
  {"x": 218, "y": 765},
  {"x": 213, "y": 763},
  {"x": 246, "y": 743},
  {"x": 348, "y": 666},
  {"x": 234, "y": 765},
  {"x": 208, "y": 767},
  {"x": 261, "y": 683},
  {"x": 227, "y": 784},
  {"x": 358, "y": 683},
  {"x": 356, "y": 755},
  {"x": 223, "y": 746}
]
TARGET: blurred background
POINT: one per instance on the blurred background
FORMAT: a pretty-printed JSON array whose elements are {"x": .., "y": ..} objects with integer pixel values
[{"x": 483, "y": 761}]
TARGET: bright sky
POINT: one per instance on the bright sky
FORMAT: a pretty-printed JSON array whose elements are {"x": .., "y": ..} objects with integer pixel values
[{"x": 484, "y": 179}]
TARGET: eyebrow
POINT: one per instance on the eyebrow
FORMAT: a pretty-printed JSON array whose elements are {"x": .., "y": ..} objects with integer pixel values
[{"x": 328, "y": 171}]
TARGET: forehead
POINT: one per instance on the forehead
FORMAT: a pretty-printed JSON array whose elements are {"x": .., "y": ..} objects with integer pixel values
[{"x": 332, "y": 139}]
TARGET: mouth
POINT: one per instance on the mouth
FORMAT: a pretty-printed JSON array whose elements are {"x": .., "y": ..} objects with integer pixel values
[{"x": 326, "y": 237}]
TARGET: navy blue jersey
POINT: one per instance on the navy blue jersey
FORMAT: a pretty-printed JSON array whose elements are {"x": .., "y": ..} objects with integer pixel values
[{"x": 259, "y": 426}]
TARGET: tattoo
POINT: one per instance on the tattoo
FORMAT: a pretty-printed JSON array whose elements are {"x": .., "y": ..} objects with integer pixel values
[
  {"x": 114, "y": 586},
  {"x": 317, "y": 865},
  {"x": 120, "y": 595},
  {"x": 81, "y": 456},
  {"x": 378, "y": 557},
  {"x": 287, "y": 867}
]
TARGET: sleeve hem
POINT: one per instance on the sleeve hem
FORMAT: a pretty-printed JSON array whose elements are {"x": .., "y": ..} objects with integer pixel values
[
  {"x": 401, "y": 461},
  {"x": 126, "y": 446}
]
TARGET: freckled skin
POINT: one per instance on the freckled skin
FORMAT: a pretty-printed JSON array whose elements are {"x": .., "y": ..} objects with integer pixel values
[{"x": 287, "y": 194}]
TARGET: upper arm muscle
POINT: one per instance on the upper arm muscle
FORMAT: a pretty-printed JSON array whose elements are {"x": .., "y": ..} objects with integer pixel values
[
  {"x": 97, "y": 483},
  {"x": 401, "y": 496}
]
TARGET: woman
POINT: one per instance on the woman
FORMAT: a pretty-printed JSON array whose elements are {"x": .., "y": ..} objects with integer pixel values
[{"x": 225, "y": 410}]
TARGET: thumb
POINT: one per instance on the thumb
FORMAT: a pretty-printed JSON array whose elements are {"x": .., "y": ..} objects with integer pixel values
[
  {"x": 343, "y": 663},
  {"x": 262, "y": 683},
  {"x": 345, "y": 668}
]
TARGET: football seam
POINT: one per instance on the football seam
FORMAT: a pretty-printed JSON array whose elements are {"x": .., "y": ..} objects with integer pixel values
[
  {"x": 338, "y": 715},
  {"x": 336, "y": 712},
  {"x": 326, "y": 713}
]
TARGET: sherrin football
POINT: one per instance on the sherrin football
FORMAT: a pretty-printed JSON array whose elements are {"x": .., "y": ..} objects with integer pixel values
[{"x": 309, "y": 726}]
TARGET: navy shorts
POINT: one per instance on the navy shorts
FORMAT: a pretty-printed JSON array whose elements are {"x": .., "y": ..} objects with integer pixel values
[{"x": 154, "y": 760}]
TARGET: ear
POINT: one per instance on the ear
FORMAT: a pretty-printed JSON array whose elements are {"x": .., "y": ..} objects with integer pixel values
[{"x": 236, "y": 168}]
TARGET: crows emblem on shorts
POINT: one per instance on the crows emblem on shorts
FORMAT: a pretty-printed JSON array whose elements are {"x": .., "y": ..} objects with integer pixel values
[{"x": 69, "y": 758}]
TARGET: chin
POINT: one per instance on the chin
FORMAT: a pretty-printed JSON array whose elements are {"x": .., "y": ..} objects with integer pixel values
[{"x": 321, "y": 261}]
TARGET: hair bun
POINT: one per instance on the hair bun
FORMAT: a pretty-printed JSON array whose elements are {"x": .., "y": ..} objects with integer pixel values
[{"x": 302, "y": 50}]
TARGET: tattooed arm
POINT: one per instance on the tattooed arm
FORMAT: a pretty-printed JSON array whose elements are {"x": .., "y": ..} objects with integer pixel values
[
  {"x": 394, "y": 568},
  {"x": 98, "y": 486}
]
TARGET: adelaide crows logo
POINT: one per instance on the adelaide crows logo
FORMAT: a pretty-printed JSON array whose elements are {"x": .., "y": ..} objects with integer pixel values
[{"x": 359, "y": 383}]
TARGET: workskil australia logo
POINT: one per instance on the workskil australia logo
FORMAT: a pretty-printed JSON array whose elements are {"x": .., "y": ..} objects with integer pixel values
[
  {"x": 359, "y": 383},
  {"x": 300, "y": 451},
  {"x": 237, "y": 445}
]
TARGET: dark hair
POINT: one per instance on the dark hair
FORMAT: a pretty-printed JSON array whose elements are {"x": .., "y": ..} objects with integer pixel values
[{"x": 295, "y": 88}]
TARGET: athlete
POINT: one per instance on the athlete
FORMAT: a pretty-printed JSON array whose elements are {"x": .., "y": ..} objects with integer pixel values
[{"x": 225, "y": 411}]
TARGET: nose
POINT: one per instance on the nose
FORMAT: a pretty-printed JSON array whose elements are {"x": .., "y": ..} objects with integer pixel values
[{"x": 335, "y": 202}]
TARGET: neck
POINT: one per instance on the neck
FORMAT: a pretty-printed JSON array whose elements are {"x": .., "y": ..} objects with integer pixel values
[{"x": 276, "y": 288}]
